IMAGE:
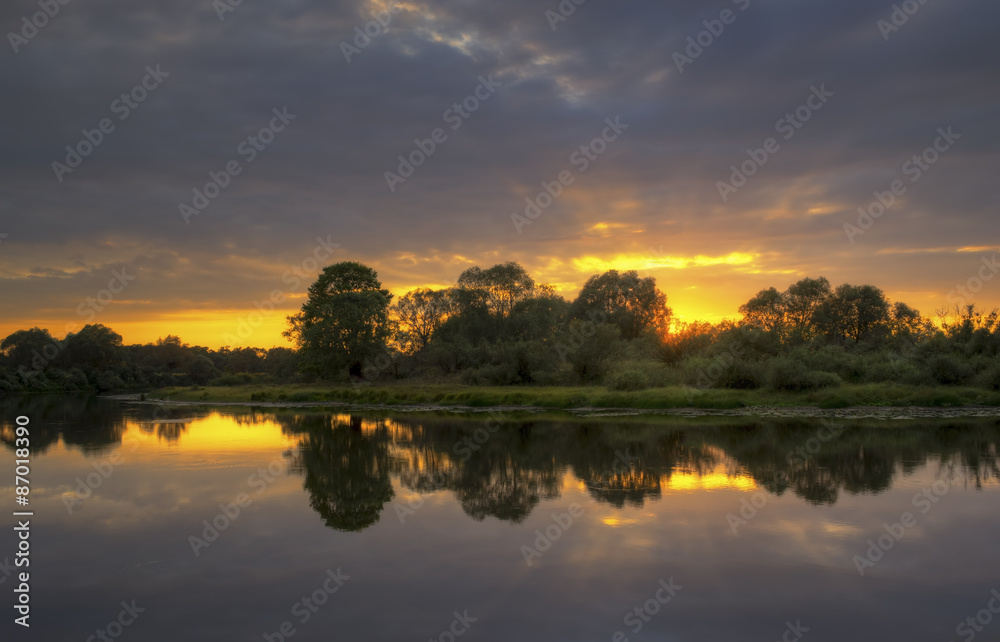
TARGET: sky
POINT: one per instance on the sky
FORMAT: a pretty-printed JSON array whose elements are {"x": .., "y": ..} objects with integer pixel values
[{"x": 720, "y": 147}]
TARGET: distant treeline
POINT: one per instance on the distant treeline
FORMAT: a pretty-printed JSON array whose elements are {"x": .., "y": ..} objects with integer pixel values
[{"x": 497, "y": 326}]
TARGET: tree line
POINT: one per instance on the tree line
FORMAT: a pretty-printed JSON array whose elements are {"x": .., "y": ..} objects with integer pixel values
[{"x": 498, "y": 326}]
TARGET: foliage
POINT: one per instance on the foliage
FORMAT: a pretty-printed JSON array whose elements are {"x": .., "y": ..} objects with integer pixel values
[
  {"x": 628, "y": 380},
  {"x": 344, "y": 321},
  {"x": 499, "y": 327},
  {"x": 633, "y": 304}
]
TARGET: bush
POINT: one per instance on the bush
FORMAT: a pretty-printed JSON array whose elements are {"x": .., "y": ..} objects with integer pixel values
[
  {"x": 948, "y": 370},
  {"x": 628, "y": 380},
  {"x": 590, "y": 349},
  {"x": 793, "y": 376},
  {"x": 742, "y": 375},
  {"x": 233, "y": 379},
  {"x": 491, "y": 375},
  {"x": 108, "y": 380},
  {"x": 989, "y": 378}
]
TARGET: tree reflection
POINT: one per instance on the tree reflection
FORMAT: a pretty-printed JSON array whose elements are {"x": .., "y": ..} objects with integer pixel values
[
  {"x": 346, "y": 470},
  {"x": 94, "y": 425},
  {"x": 506, "y": 470}
]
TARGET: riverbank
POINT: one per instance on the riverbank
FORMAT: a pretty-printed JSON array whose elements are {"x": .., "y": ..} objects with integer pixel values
[{"x": 564, "y": 398}]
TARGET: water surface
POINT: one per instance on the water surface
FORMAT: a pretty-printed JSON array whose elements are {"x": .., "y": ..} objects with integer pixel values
[{"x": 538, "y": 528}]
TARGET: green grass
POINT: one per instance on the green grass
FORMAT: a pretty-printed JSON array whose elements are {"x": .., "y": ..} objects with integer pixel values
[{"x": 562, "y": 397}]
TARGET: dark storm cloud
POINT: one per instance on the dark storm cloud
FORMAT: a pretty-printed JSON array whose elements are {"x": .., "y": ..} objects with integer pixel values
[{"x": 323, "y": 175}]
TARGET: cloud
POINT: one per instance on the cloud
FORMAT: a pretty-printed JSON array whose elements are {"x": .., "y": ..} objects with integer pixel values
[{"x": 324, "y": 175}]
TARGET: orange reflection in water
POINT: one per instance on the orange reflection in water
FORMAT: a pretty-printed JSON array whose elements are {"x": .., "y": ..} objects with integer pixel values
[
  {"x": 715, "y": 480},
  {"x": 214, "y": 433}
]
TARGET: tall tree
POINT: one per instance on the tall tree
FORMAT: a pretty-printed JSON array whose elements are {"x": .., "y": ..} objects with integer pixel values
[
  {"x": 344, "y": 321},
  {"x": 31, "y": 349},
  {"x": 802, "y": 300},
  {"x": 95, "y": 348},
  {"x": 419, "y": 313},
  {"x": 497, "y": 289},
  {"x": 633, "y": 304},
  {"x": 854, "y": 313},
  {"x": 766, "y": 310}
]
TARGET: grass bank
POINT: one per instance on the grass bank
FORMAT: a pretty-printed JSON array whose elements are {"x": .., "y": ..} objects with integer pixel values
[{"x": 564, "y": 397}]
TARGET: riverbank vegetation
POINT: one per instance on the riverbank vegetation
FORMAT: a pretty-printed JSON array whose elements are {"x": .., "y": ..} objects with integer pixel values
[{"x": 498, "y": 335}]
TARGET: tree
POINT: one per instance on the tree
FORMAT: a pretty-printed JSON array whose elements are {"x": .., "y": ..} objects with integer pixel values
[
  {"x": 32, "y": 349},
  {"x": 766, "y": 310},
  {"x": 497, "y": 289},
  {"x": 908, "y": 324},
  {"x": 419, "y": 313},
  {"x": 95, "y": 348},
  {"x": 854, "y": 312},
  {"x": 802, "y": 300},
  {"x": 171, "y": 353},
  {"x": 634, "y": 305},
  {"x": 485, "y": 300},
  {"x": 344, "y": 321}
]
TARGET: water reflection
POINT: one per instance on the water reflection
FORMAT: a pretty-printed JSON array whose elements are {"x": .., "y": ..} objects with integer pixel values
[
  {"x": 349, "y": 463},
  {"x": 346, "y": 469},
  {"x": 655, "y": 495}
]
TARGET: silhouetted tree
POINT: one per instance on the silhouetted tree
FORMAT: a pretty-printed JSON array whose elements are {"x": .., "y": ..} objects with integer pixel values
[{"x": 344, "y": 321}]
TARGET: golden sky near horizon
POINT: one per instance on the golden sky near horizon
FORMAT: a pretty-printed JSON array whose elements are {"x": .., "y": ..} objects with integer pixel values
[{"x": 590, "y": 129}]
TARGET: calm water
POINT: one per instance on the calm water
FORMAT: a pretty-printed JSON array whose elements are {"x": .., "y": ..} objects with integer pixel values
[{"x": 418, "y": 525}]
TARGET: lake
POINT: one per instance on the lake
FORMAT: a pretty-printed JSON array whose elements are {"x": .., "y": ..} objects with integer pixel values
[{"x": 190, "y": 523}]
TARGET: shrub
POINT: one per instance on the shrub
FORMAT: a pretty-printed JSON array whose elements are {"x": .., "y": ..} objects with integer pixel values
[
  {"x": 794, "y": 376},
  {"x": 628, "y": 380},
  {"x": 742, "y": 375},
  {"x": 233, "y": 379},
  {"x": 108, "y": 380},
  {"x": 491, "y": 375},
  {"x": 989, "y": 378},
  {"x": 948, "y": 370}
]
